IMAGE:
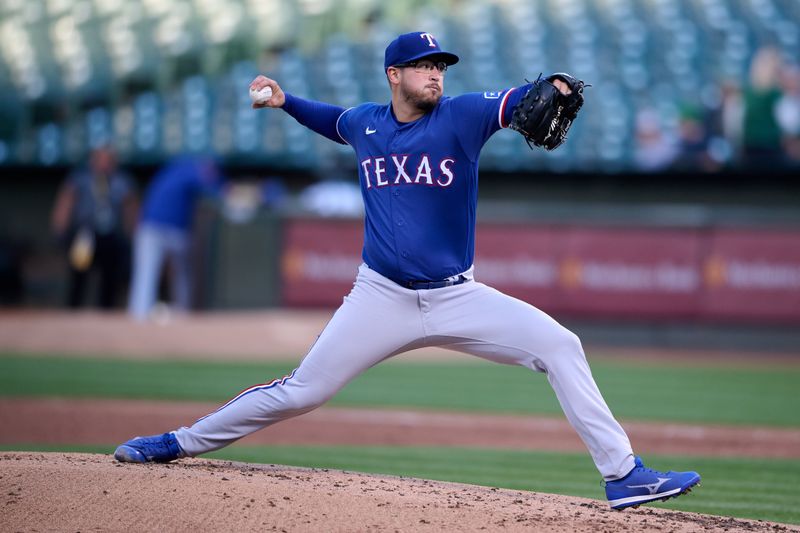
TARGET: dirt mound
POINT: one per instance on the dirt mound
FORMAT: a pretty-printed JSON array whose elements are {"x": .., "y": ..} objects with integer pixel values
[{"x": 84, "y": 492}]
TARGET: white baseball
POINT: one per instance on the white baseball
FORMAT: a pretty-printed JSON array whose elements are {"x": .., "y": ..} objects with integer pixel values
[{"x": 259, "y": 97}]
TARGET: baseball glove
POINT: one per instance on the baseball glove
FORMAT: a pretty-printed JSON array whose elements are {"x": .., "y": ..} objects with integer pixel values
[{"x": 545, "y": 114}]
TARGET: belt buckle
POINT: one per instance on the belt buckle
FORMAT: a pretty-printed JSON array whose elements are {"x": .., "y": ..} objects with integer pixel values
[{"x": 428, "y": 285}]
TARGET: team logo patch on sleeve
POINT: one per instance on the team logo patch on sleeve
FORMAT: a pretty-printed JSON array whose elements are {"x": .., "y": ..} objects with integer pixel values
[{"x": 492, "y": 95}]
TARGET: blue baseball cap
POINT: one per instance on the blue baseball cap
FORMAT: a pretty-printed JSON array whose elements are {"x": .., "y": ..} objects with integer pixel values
[{"x": 413, "y": 46}]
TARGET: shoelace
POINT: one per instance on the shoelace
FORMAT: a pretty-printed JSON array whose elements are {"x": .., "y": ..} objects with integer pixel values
[
  {"x": 161, "y": 444},
  {"x": 651, "y": 471},
  {"x": 639, "y": 469}
]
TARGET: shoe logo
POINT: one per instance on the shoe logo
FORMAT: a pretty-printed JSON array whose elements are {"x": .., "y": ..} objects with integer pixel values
[
  {"x": 652, "y": 487},
  {"x": 369, "y": 131}
]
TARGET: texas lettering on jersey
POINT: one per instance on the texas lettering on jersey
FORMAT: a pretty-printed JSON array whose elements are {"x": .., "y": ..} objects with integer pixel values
[
  {"x": 419, "y": 182},
  {"x": 402, "y": 169}
]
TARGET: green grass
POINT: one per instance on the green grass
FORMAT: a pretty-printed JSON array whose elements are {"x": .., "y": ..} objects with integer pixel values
[
  {"x": 647, "y": 391},
  {"x": 651, "y": 390},
  {"x": 763, "y": 489}
]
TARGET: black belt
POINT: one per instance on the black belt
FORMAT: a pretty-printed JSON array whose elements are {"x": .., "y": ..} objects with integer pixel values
[{"x": 422, "y": 285}]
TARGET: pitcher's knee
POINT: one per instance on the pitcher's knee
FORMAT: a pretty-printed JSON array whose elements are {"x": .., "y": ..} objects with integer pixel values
[
  {"x": 302, "y": 401},
  {"x": 571, "y": 343},
  {"x": 566, "y": 346}
]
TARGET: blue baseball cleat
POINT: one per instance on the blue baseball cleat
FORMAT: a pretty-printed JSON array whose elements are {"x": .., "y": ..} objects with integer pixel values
[
  {"x": 643, "y": 485},
  {"x": 153, "y": 449}
]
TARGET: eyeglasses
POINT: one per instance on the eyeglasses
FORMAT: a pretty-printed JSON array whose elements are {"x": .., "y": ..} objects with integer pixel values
[{"x": 424, "y": 67}]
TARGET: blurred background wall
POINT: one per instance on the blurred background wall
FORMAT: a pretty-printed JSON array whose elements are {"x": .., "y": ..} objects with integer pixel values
[{"x": 675, "y": 204}]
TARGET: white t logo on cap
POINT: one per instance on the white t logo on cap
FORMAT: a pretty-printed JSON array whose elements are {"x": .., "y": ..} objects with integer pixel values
[{"x": 431, "y": 40}]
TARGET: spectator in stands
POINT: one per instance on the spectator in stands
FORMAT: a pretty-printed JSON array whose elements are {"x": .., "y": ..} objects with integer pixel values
[
  {"x": 655, "y": 145},
  {"x": 93, "y": 217},
  {"x": 725, "y": 124},
  {"x": 761, "y": 132},
  {"x": 164, "y": 231},
  {"x": 788, "y": 113},
  {"x": 693, "y": 141},
  {"x": 732, "y": 115}
]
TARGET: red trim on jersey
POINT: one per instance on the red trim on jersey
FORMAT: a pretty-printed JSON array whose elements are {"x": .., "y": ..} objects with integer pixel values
[{"x": 502, "y": 113}]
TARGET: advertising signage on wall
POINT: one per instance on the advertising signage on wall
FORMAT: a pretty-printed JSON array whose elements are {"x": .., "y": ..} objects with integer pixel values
[
  {"x": 752, "y": 275},
  {"x": 710, "y": 274}
]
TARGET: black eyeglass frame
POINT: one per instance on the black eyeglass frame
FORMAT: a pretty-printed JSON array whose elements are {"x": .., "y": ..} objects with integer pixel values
[{"x": 440, "y": 66}]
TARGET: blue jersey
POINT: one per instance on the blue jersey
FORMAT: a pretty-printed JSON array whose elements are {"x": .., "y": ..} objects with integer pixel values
[
  {"x": 172, "y": 194},
  {"x": 419, "y": 181}
]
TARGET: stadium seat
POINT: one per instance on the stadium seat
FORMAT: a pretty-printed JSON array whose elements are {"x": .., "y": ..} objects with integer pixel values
[{"x": 178, "y": 69}]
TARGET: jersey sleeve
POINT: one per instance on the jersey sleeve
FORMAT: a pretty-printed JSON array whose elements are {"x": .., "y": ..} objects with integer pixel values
[
  {"x": 343, "y": 125},
  {"x": 317, "y": 116},
  {"x": 477, "y": 116}
]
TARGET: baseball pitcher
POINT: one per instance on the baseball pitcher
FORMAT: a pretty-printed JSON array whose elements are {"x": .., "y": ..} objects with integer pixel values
[{"x": 418, "y": 169}]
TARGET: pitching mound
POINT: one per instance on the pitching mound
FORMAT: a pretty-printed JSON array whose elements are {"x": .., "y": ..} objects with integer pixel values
[{"x": 84, "y": 492}]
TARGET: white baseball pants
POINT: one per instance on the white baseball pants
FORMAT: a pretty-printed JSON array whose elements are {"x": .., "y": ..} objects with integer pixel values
[
  {"x": 153, "y": 245},
  {"x": 380, "y": 319}
]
